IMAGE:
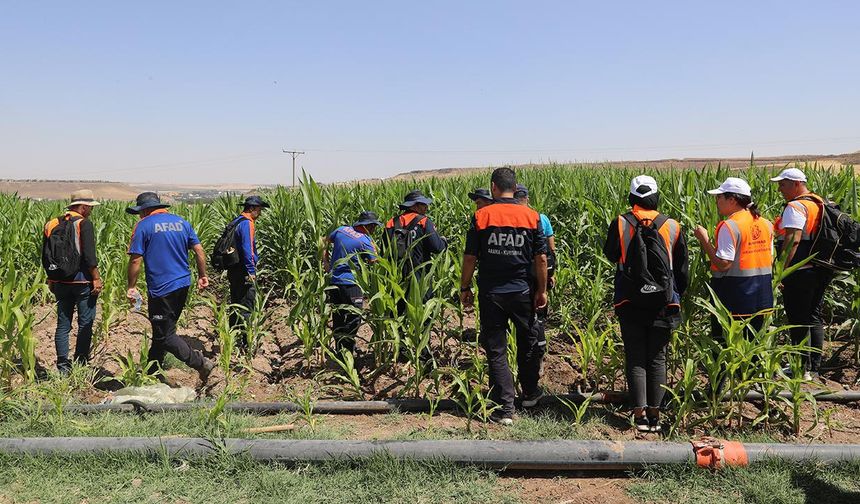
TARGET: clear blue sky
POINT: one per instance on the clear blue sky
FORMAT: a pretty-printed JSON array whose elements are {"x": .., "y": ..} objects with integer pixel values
[{"x": 212, "y": 91}]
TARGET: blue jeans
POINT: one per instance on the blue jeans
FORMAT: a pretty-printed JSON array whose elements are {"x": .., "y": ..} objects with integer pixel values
[{"x": 69, "y": 297}]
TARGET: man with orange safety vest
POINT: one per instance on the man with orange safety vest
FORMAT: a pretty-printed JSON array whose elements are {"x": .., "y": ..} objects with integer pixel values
[
  {"x": 646, "y": 327},
  {"x": 81, "y": 288},
  {"x": 803, "y": 290},
  {"x": 413, "y": 234},
  {"x": 742, "y": 256},
  {"x": 243, "y": 276},
  {"x": 506, "y": 243}
]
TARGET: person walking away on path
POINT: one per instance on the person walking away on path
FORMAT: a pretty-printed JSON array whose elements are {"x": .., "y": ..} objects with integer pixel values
[
  {"x": 646, "y": 327},
  {"x": 481, "y": 197},
  {"x": 349, "y": 245},
  {"x": 741, "y": 258},
  {"x": 803, "y": 290},
  {"x": 77, "y": 288},
  {"x": 505, "y": 243},
  {"x": 161, "y": 242},
  {"x": 414, "y": 234},
  {"x": 243, "y": 276}
]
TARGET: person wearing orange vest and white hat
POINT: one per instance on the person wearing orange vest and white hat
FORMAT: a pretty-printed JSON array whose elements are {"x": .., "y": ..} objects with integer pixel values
[
  {"x": 742, "y": 255},
  {"x": 803, "y": 290},
  {"x": 79, "y": 291},
  {"x": 646, "y": 330}
]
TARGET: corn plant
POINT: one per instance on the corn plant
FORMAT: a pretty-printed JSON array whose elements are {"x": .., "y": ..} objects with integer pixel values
[{"x": 137, "y": 371}]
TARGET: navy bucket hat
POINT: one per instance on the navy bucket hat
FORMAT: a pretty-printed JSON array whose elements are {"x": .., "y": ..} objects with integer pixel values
[
  {"x": 367, "y": 219},
  {"x": 414, "y": 197},
  {"x": 146, "y": 201}
]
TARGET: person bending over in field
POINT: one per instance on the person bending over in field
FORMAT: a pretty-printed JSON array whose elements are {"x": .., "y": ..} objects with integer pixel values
[
  {"x": 69, "y": 258},
  {"x": 161, "y": 242},
  {"x": 741, "y": 259},
  {"x": 652, "y": 275},
  {"x": 349, "y": 245},
  {"x": 803, "y": 290},
  {"x": 505, "y": 242}
]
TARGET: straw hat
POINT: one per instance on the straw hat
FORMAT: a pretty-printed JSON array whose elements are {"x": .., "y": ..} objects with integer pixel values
[{"x": 83, "y": 197}]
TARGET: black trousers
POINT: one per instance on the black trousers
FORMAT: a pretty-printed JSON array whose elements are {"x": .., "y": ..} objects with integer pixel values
[
  {"x": 496, "y": 311},
  {"x": 645, "y": 362},
  {"x": 244, "y": 293},
  {"x": 803, "y": 296},
  {"x": 164, "y": 311},
  {"x": 345, "y": 323}
]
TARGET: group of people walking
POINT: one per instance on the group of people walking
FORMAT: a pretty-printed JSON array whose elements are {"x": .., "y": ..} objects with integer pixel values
[{"x": 509, "y": 245}]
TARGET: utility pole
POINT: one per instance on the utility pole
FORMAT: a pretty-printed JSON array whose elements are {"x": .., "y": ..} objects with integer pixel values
[{"x": 294, "y": 155}]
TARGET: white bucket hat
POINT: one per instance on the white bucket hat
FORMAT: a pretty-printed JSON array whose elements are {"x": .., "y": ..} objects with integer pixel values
[{"x": 733, "y": 185}]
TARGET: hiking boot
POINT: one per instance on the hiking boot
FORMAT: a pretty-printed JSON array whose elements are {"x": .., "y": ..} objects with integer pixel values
[
  {"x": 532, "y": 400},
  {"x": 170, "y": 382},
  {"x": 501, "y": 418},
  {"x": 205, "y": 370}
]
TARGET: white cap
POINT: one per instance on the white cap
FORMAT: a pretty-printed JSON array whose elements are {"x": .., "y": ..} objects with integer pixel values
[
  {"x": 643, "y": 180},
  {"x": 790, "y": 174},
  {"x": 733, "y": 185}
]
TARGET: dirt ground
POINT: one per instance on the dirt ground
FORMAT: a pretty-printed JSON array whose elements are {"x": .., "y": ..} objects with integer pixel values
[{"x": 279, "y": 373}]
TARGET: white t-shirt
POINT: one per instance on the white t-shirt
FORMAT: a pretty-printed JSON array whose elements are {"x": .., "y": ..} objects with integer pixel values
[
  {"x": 725, "y": 244},
  {"x": 792, "y": 218}
]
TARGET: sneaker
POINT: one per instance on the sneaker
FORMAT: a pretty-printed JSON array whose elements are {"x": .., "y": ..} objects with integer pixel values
[
  {"x": 503, "y": 419},
  {"x": 654, "y": 425},
  {"x": 205, "y": 370},
  {"x": 810, "y": 376},
  {"x": 641, "y": 423},
  {"x": 532, "y": 400}
]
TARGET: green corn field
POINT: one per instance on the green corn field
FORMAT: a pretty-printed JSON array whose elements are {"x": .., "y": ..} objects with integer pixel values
[{"x": 581, "y": 201}]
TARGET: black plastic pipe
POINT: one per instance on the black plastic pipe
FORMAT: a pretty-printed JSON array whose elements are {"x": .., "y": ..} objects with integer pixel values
[
  {"x": 520, "y": 455},
  {"x": 392, "y": 405}
]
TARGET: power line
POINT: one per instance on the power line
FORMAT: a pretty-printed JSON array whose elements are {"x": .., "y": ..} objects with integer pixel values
[{"x": 294, "y": 154}]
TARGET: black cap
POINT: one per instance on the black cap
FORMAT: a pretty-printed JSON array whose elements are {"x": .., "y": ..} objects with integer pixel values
[
  {"x": 414, "y": 197},
  {"x": 366, "y": 219},
  {"x": 481, "y": 193},
  {"x": 521, "y": 191},
  {"x": 255, "y": 201},
  {"x": 146, "y": 201}
]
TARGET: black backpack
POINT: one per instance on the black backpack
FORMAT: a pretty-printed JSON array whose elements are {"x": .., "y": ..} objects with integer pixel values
[
  {"x": 837, "y": 240},
  {"x": 61, "y": 254},
  {"x": 401, "y": 239},
  {"x": 226, "y": 255},
  {"x": 646, "y": 275}
]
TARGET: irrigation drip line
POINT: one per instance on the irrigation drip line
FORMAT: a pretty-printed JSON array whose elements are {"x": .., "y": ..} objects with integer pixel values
[
  {"x": 391, "y": 405},
  {"x": 519, "y": 455}
]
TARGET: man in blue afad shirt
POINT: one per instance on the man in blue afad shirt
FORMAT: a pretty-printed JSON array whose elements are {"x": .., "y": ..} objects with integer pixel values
[
  {"x": 243, "y": 276},
  {"x": 161, "y": 241},
  {"x": 349, "y": 245}
]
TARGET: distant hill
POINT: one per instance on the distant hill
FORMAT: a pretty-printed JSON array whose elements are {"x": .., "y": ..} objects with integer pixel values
[
  {"x": 827, "y": 161},
  {"x": 61, "y": 189}
]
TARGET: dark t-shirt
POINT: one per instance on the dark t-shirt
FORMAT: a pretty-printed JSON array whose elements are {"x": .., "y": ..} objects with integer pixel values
[{"x": 505, "y": 237}]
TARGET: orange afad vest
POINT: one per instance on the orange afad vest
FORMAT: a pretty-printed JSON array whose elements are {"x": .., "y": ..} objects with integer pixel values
[{"x": 753, "y": 245}]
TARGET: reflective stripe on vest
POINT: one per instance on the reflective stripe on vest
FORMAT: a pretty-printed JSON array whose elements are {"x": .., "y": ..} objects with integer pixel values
[
  {"x": 670, "y": 231},
  {"x": 753, "y": 240},
  {"x": 813, "y": 217}
]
